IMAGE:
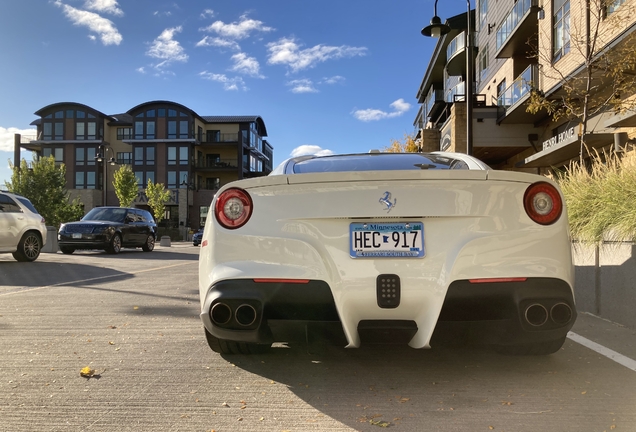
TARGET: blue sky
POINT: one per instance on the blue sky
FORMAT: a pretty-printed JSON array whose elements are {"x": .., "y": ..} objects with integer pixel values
[{"x": 332, "y": 75}]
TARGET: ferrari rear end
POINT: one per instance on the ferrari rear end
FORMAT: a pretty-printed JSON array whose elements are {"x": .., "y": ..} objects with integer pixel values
[{"x": 388, "y": 247}]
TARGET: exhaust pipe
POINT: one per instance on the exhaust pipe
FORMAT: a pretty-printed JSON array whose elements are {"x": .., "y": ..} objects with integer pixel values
[
  {"x": 536, "y": 315},
  {"x": 220, "y": 314},
  {"x": 561, "y": 313},
  {"x": 245, "y": 315}
]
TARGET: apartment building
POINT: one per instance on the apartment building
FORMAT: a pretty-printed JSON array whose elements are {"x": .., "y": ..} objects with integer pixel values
[
  {"x": 162, "y": 141},
  {"x": 520, "y": 46}
]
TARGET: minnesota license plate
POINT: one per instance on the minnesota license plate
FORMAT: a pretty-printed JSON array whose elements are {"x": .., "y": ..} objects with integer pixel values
[{"x": 386, "y": 240}]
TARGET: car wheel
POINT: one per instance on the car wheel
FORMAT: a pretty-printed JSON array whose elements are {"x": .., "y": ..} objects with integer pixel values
[
  {"x": 539, "y": 348},
  {"x": 223, "y": 346},
  {"x": 28, "y": 248},
  {"x": 150, "y": 244},
  {"x": 67, "y": 250},
  {"x": 115, "y": 245}
]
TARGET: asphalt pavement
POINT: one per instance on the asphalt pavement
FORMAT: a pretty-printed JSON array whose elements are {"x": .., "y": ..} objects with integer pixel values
[{"x": 132, "y": 320}]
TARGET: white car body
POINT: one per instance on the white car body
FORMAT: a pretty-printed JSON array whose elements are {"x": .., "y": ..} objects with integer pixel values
[
  {"x": 22, "y": 229},
  {"x": 475, "y": 229}
]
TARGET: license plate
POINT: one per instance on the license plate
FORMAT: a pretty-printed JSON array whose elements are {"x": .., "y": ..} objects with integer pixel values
[
  {"x": 77, "y": 235},
  {"x": 386, "y": 240}
]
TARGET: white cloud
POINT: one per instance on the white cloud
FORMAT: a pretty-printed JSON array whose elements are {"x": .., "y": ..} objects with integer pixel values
[
  {"x": 287, "y": 51},
  {"x": 208, "y": 13},
  {"x": 333, "y": 80},
  {"x": 237, "y": 30},
  {"x": 302, "y": 86},
  {"x": 246, "y": 65},
  {"x": 166, "y": 13},
  {"x": 308, "y": 149},
  {"x": 166, "y": 48},
  {"x": 218, "y": 42},
  {"x": 105, "y": 28},
  {"x": 367, "y": 115},
  {"x": 228, "y": 83},
  {"x": 106, "y": 6},
  {"x": 141, "y": 70},
  {"x": 7, "y": 138}
]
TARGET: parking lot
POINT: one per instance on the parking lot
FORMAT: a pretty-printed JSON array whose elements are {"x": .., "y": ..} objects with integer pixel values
[{"x": 133, "y": 319}]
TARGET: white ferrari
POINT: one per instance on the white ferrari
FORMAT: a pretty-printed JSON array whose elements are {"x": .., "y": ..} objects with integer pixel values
[{"x": 387, "y": 247}]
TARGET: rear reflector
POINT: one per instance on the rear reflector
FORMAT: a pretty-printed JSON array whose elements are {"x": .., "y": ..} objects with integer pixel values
[
  {"x": 497, "y": 280},
  {"x": 205, "y": 243},
  {"x": 289, "y": 281}
]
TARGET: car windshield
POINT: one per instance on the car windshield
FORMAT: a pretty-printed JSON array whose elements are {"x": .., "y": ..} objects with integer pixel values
[
  {"x": 25, "y": 202},
  {"x": 378, "y": 162},
  {"x": 106, "y": 214}
]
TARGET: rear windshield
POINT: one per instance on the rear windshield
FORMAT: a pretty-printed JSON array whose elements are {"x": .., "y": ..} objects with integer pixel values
[
  {"x": 25, "y": 202},
  {"x": 378, "y": 162},
  {"x": 106, "y": 214}
]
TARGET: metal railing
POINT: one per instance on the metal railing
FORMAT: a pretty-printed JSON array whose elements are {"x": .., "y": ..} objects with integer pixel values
[
  {"x": 519, "y": 88},
  {"x": 456, "y": 45},
  {"x": 219, "y": 138},
  {"x": 218, "y": 163},
  {"x": 508, "y": 25}
]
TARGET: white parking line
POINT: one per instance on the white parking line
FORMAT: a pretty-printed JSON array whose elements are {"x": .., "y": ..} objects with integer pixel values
[
  {"x": 610, "y": 354},
  {"x": 91, "y": 279}
]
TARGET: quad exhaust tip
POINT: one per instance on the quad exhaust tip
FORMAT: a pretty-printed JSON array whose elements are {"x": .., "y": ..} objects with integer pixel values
[
  {"x": 245, "y": 315},
  {"x": 221, "y": 314},
  {"x": 537, "y": 315}
]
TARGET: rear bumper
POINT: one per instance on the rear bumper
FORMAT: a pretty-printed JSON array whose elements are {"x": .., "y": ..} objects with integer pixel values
[{"x": 498, "y": 312}]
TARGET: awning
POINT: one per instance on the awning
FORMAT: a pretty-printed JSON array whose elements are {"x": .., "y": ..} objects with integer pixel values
[{"x": 562, "y": 153}]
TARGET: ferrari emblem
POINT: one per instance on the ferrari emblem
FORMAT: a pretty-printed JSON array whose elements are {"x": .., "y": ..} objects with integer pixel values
[{"x": 386, "y": 200}]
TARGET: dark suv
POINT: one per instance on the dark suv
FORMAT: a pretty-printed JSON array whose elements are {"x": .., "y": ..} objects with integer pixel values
[{"x": 109, "y": 228}]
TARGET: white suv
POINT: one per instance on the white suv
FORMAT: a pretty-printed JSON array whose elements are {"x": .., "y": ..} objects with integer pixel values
[{"x": 22, "y": 229}]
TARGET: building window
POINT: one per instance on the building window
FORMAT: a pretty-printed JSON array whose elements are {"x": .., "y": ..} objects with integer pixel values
[
  {"x": 124, "y": 158},
  {"x": 183, "y": 155},
  {"x": 58, "y": 153},
  {"x": 59, "y": 131},
  {"x": 172, "y": 155},
  {"x": 124, "y": 133},
  {"x": 212, "y": 183},
  {"x": 172, "y": 179},
  {"x": 203, "y": 215},
  {"x": 139, "y": 129},
  {"x": 483, "y": 61},
  {"x": 483, "y": 9},
  {"x": 80, "y": 156},
  {"x": 85, "y": 180},
  {"x": 150, "y": 155},
  {"x": 561, "y": 30},
  {"x": 614, "y": 5},
  {"x": 139, "y": 155},
  {"x": 501, "y": 88},
  {"x": 85, "y": 156},
  {"x": 80, "y": 130},
  {"x": 144, "y": 177},
  {"x": 140, "y": 178},
  {"x": 172, "y": 129}
]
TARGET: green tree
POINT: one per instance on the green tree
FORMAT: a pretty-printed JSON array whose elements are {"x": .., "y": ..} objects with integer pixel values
[
  {"x": 406, "y": 145},
  {"x": 125, "y": 184},
  {"x": 44, "y": 184},
  {"x": 157, "y": 196}
]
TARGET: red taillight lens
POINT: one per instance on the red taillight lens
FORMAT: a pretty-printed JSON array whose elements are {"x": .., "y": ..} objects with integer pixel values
[
  {"x": 543, "y": 204},
  {"x": 233, "y": 208}
]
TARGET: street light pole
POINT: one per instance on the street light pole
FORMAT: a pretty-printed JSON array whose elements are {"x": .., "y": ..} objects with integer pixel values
[
  {"x": 187, "y": 221},
  {"x": 436, "y": 29},
  {"x": 101, "y": 158}
]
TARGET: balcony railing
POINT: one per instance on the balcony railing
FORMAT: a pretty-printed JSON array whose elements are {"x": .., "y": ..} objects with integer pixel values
[
  {"x": 456, "y": 45},
  {"x": 219, "y": 138},
  {"x": 512, "y": 20},
  {"x": 519, "y": 88},
  {"x": 215, "y": 164}
]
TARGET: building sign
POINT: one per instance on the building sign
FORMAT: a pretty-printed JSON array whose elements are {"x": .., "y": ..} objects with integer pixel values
[
  {"x": 568, "y": 136},
  {"x": 141, "y": 197},
  {"x": 445, "y": 142}
]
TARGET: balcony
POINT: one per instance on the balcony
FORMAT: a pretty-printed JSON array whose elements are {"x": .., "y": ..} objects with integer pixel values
[
  {"x": 456, "y": 55},
  {"x": 512, "y": 98},
  {"x": 520, "y": 27},
  {"x": 434, "y": 103},
  {"x": 215, "y": 164},
  {"x": 219, "y": 138}
]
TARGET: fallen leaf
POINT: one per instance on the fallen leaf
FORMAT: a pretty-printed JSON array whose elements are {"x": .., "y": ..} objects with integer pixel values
[
  {"x": 111, "y": 343},
  {"x": 135, "y": 307},
  {"x": 507, "y": 403},
  {"x": 491, "y": 427},
  {"x": 583, "y": 392},
  {"x": 380, "y": 423},
  {"x": 225, "y": 404}
]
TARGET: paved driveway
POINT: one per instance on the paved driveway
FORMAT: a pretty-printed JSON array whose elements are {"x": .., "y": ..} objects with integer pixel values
[{"x": 133, "y": 319}]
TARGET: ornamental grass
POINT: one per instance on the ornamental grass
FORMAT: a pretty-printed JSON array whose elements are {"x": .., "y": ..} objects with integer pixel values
[{"x": 601, "y": 198}]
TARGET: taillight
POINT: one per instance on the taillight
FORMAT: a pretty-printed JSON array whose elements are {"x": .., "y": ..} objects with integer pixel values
[
  {"x": 233, "y": 208},
  {"x": 542, "y": 202}
]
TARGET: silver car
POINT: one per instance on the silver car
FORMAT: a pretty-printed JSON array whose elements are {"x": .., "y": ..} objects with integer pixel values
[{"x": 22, "y": 228}]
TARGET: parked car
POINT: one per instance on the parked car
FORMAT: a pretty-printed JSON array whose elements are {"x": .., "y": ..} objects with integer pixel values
[
  {"x": 388, "y": 244},
  {"x": 110, "y": 229},
  {"x": 196, "y": 237},
  {"x": 22, "y": 228}
]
